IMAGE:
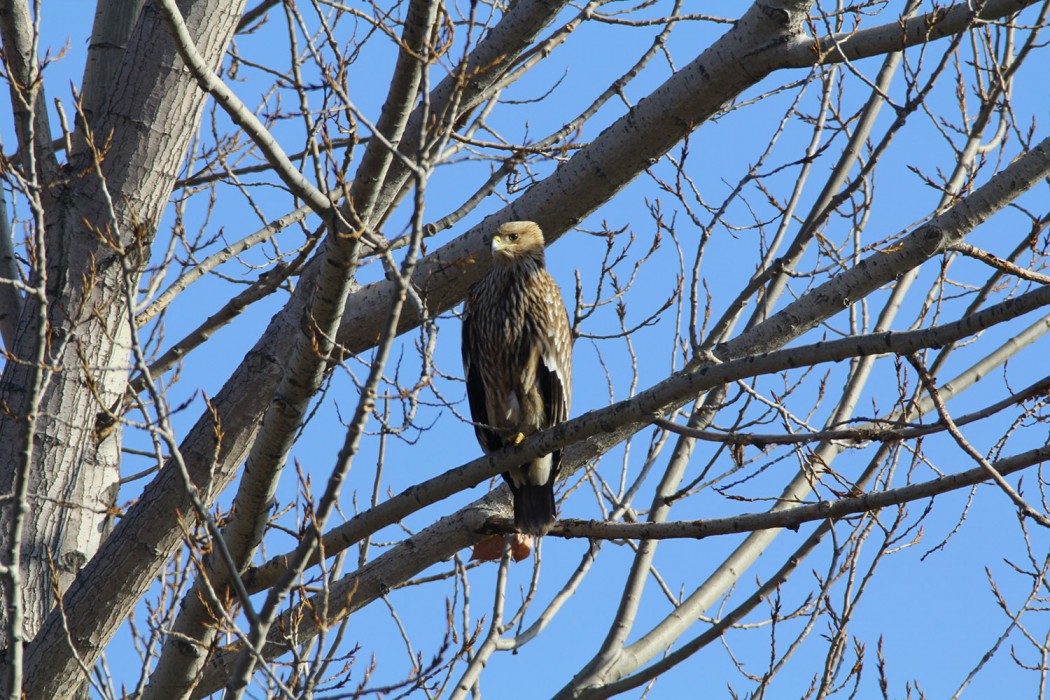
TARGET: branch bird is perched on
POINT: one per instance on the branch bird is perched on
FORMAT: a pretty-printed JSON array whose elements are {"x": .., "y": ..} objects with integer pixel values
[{"x": 517, "y": 357}]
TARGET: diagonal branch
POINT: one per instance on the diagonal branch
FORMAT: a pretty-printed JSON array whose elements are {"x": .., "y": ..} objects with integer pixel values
[
  {"x": 989, "y": 470},
  {"x": 310, "y": 541},
  {"x": 196, "y": 626},
  {"x": 241, "y": 115},
  {"x": 921, "y": 29}
]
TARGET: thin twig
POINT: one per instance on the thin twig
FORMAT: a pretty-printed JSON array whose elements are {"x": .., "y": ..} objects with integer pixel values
[{"x": 953, "y": 430}]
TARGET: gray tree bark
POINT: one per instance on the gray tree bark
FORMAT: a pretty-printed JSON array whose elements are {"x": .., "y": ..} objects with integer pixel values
[{"x": 100, "y": 219}]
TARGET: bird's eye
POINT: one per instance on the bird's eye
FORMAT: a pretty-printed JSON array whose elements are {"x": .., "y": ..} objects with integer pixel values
[{"x": 513, "y": 236}]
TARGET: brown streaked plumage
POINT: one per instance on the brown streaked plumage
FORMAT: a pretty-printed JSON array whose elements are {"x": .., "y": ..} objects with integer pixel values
[{"x": 517, "y": 357}]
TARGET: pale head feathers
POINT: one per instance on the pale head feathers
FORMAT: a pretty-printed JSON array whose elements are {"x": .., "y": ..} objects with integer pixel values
[{"x": 516, "y": 240}]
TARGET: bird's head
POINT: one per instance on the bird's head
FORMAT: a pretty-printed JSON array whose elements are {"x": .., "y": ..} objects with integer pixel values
[{"x": 517, "y": 240}]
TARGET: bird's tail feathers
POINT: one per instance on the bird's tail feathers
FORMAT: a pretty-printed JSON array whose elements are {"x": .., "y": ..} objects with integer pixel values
[{"x": 534, "y": 510}]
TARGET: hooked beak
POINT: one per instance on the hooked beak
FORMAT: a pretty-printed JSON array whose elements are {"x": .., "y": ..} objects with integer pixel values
[{"x": 498, "y": 245}]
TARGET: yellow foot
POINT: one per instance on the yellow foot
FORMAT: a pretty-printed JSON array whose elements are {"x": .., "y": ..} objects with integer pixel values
[{"x": 517, "y": 439}]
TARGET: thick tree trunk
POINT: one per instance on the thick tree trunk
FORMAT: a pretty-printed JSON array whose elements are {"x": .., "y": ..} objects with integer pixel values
[{"x": 99, "y": 225}]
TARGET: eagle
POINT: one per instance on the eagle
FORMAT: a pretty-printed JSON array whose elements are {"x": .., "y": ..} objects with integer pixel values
[{"x": 517, "y": 359}]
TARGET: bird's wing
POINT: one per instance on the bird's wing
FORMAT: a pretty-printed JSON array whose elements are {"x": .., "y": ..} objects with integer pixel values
[
  {"x": 476, "y": 388},
  {"x": 554, "y": 341},
  {"x": 553, "y": 387},
  {"x": 554, "y": 371}
]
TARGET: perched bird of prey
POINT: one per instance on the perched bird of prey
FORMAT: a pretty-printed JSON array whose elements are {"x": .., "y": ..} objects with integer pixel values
[{"x": 517, "y": 357}]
